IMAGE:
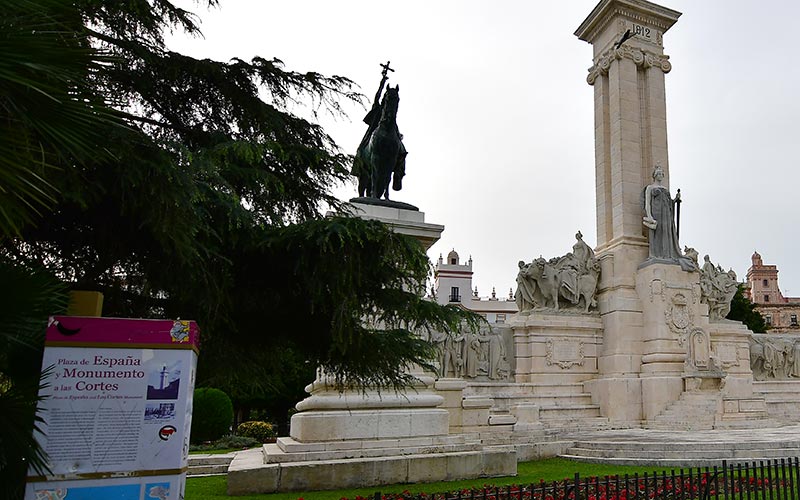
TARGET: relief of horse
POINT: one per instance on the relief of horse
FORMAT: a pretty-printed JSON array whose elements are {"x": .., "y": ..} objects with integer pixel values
[{"x": 549, "y": 281}]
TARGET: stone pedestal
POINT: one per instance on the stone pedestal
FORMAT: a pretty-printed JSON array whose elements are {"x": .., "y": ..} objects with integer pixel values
[
  {"x": 452, "y": 392},
  {"x": 401, "y": 220},
  {"x": 369, "y": 438},
  {"x": 556, "y": 348},
  {"x": 731, "y": 352},
  {"x": 556, "y": 361},
  {"x": 671, "y": 310},
  {"x": 330, "y": 415}
]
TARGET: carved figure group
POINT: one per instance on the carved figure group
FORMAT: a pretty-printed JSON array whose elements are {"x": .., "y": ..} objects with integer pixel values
[
  {"x": 717, "y": 289},
  {"x": 774, "y": 358},
  {"x": 569, "y": 281},
  {"x": 473, "y": 355}
]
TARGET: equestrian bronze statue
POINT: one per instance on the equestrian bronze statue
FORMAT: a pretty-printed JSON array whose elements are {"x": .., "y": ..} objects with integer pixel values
[{"x": 381, "y": 156}]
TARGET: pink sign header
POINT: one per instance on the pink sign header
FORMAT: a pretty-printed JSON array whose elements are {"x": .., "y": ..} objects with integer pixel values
[{"x": 155, "y": 333}]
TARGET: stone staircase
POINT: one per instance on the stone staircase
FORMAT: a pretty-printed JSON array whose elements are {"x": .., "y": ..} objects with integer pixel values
[
  {"x": 561, "y": 406},
  {"x": 209, "y": 464},
  {"x": 692, "y": 411},
  {"x": 683, "y": 448},
  {"x": 705, "y": 410},
  {"x": 782, "y": 397}
]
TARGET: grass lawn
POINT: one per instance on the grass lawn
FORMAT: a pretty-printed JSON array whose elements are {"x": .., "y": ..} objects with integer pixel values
[{"x": 214, "y": 487}]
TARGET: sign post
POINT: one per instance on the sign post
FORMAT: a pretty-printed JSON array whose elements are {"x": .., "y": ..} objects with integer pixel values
[{"x": 117, "y": 408}]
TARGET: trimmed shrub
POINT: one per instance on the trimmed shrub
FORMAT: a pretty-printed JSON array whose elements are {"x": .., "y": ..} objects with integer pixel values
[
  {"x": 212, "y": 415},
  {"x": 261, "y": 431},
  {"x": 227, "y": 442}
]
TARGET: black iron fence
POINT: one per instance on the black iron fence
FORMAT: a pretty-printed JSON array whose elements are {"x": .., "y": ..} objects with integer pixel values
[{"x": 762, "y": 480}]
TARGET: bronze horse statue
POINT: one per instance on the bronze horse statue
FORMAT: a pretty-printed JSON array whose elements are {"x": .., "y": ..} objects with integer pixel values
[{"x": 381, "y": 157}]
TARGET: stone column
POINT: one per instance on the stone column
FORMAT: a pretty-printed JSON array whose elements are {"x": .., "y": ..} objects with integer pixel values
[
  {"x": 630, "y": 111},
  {"x": 630, "y": 138}
]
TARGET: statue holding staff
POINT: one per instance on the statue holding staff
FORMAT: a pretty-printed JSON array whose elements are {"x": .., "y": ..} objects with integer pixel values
[{"x": 659, "y": 218}]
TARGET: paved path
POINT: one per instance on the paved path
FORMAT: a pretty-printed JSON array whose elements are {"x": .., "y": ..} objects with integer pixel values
[
  {"x": 684, "y": 448},
  {"x": 630, "y": 447}
]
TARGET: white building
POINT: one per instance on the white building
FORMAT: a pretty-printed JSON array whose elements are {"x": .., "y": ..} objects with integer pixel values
[{"x": 453, "y": 285}]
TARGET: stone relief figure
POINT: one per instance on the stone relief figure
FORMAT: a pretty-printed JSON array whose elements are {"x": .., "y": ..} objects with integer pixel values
[
  {"x": 774, "y": 357},
  {"x": 472, "y": 355},
  {"x": 438, "y": 340},
  {"x": 717, "y": 289},
  {"x": 795, "y": 361},
  {"x": 692, "y": 254},
  {"x": 659, "y": 218},
  {"x": 573, "y": 266},
  {"x": 526, "y": 288},
  {"x": 449, "y": 354},
  {"x": 567, "y": 282},
  {"x": 498, "y": 362},
  {"x": 582, "y": 251}
]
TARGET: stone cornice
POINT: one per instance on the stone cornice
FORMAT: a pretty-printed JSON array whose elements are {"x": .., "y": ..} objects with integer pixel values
[
  {"x": 636, "y": 10},
  {"x": 639, "y": 57}
]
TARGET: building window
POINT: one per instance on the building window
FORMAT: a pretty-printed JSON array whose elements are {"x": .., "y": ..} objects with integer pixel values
[
  {"x": 455, "y": 296},
  {"x": 453, "y": 261},
  {"x": 766, "y": 282},
  {"x": 768, "y": 319},
  {"x": 501, "y": 318},
  {"x": 793, "y": 319},
  {"x": 766, "y": 298}
]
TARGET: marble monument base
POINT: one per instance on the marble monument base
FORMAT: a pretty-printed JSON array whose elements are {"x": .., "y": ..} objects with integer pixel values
[
  {"x": 556, "y": 357},
  {"x": 367, "y": 438}
]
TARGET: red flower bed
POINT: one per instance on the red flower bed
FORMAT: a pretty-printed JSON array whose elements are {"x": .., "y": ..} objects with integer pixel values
[{"x": 648, "y": 487}]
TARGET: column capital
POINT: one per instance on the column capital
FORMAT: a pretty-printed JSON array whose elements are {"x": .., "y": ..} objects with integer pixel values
[{"x": 642, "y": 59}]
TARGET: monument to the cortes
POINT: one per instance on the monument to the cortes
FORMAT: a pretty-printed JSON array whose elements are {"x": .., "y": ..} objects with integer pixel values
[{"x": 630, "y": 334}]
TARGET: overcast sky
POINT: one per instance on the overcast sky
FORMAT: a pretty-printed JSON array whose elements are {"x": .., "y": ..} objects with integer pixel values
[{"x": 498, "y": 121}]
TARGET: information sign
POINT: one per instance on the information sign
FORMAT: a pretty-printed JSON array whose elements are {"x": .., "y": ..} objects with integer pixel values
[{"x": 117, "y": 408}]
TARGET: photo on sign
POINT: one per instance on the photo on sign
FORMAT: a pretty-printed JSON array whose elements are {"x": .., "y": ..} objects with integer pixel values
[
  {"x": 164, "y": 381},
  {"x": 157, "y": 490},
  {"x": 159, "y": 411}
]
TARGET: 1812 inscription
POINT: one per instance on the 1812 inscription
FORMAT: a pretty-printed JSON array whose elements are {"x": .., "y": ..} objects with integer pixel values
[{"x": 643, "y": 31}]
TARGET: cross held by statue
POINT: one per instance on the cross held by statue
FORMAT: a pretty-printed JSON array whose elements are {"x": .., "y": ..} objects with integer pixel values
[{"x": 386, "y": 68}]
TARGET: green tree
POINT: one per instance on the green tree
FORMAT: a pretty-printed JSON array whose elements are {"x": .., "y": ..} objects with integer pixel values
[
  {"x": 26, "y": 298},
  {"x": 742, "y": 309},
  {"x": 50, "y": 116},
  {"x": 182, "y": 187},
  {"x": 49, "y": 120}
]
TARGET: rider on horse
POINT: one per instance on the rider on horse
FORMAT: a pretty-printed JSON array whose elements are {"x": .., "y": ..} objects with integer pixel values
[{"x": 362, "y": 166}]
